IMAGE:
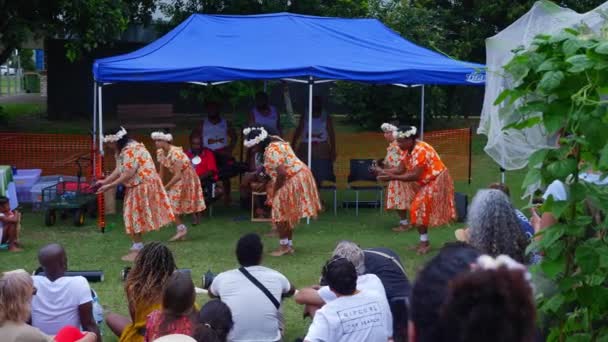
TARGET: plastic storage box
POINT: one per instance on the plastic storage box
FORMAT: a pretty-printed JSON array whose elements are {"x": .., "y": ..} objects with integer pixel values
[{"x": 26, "y": 178}]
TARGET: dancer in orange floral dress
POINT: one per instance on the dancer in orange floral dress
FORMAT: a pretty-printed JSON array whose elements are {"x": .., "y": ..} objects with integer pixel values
[
  {"x": 294, "y": 195},
  {"x": 433, "y": 204},
  {"x": 184, "y": 187},
  {"x": 146, "y": 204},
  {"x": 399, "y": 194}
]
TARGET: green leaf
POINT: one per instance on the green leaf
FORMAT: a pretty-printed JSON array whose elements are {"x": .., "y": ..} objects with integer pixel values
[
  {"x": 577, "y": 192},
  {"x": 537, "y": 157},
  {"x": 562, "y": 168},
  {"x": 525, "y": 123},
  {"x": 533, "y": 176},
  {"x": 580, "y": 63},
  {"x": 587, "y": 258},
  {"x": 552, "y": 234},
  {"x": 555, "y": 250},
  {"x": 548, "y": 65},
  {"x": 550, "y": 81},
  {"x": 532, "y": 108},
  {"x": 553, "y": 121},
  {"x": 579, "y": 338},
  {"x": 552, "y": 268},
  {"x": 553, "y": 304},
  {"x": 602, "y": 48},
  {"x": 560, "y": 37},
  {"x": 570, "y": 47},
  {"x": 502, "y": 96},
  {"x": 603, "y": 163}
]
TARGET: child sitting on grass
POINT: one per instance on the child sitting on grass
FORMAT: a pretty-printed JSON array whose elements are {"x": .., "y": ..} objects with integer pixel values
[{"x": 9, "y": 226}]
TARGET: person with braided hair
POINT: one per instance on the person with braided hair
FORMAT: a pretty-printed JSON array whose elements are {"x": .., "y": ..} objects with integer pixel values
[
  {"x": 144, "y": 286},
  {"x": 215, "y": 322},
  {"x": 433, "y": 204},
  {"x": 294, "y": 195},
  {"x": 184, "y": 188}
]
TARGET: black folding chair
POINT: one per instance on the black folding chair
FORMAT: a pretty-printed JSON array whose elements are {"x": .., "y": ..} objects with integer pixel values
[{"x": 360, "y": 171}]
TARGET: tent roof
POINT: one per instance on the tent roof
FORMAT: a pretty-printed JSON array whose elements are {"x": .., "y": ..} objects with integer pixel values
[{"x": 212, "y": 48}]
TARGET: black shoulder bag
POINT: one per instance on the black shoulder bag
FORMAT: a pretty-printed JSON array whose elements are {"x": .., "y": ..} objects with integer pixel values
[{"x": 262, "y": 288}]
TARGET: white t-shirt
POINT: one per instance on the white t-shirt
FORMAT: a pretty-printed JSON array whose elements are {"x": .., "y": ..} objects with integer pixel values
[
  {"x": 255, "y": 317},
  {"x": 55, "y": 304},
  {"x": 557, "y": 189},
  {"x": 363, "y": 317},
  {"x": 364, "y": 282}
]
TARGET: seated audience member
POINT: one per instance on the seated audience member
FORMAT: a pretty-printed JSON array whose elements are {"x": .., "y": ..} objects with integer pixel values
[
  {"x": 382, "y": 263},
  {"x": 493, "y": 302},
  {"x": 9, "y": 225},
  {"x": 323, "y": 142},
  {"x": 263, "y": 114},
  {"x": 253, "y": 294},
  {"x": 355, "y": 315},
  {"x": 494, "y": 227},
  {"x": 60, "y": 301},
  {"x": 524, "y": 223},
  {"x": 218, "y": 135},
  {"x": 215, "y": 322},
  {"x": 203, "y": 161},
  {"x": 431, "y": 289},
  {"x": 178, "y": 315},
  {"x": 144, "y": 291},
  {"x": 16, "y": 292}
]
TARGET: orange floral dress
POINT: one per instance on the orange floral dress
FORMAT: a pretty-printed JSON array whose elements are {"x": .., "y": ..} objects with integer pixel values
[
  {"x": 186, "y": 195},
  {"x": 146, "y": 205},
  {"x": 433, "y": 204},
  {"x": 298, "y": 197},
  {"x": 399, "y": 194}
]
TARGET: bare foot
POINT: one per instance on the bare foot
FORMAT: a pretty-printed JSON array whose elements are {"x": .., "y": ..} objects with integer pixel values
[
  {"x": 130, "y": 257},
  {"x": 15, "y": 249},
  {"x": 402, "y": 228},
  {"x": 180, "y": 235},
  {"x": 423, "y": 248},
  {"x": 281, "y": 251},
  {"x": 195, "y": 219}
]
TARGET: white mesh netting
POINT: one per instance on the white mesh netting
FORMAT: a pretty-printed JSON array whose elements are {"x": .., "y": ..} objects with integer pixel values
[{"x": 511, "y": 148}]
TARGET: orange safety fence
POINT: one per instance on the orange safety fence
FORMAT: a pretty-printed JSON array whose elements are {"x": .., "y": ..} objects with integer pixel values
[{"x": 56, "y": 153}]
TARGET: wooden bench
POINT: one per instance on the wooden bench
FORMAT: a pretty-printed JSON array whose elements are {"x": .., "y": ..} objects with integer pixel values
[{"x": 153, "y": 116}]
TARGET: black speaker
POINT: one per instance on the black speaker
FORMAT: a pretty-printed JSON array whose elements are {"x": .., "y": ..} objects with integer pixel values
[{"x": 461, "y": 202}]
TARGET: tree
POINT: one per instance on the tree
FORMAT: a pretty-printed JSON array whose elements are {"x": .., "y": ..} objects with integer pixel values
[
  {"x": 26, "y": 58},
  {"x": 559, "y": 83},
  {"x": 86, "y": 23}
]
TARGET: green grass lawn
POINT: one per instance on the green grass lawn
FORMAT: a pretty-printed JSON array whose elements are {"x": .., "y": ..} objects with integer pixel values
[{"x": 211, "y": 244}]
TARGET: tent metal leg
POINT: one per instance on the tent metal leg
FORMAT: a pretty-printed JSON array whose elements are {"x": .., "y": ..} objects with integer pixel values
[
  {"x": 100, "y": 116},
  {"x": 311, "y": 83},
  {"x": 356, "y": 202},
  {"x": 94, "y": 159},
  {"x": 422, "y": 113}
]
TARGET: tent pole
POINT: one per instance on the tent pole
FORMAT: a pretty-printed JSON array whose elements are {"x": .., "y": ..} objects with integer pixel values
[
  {"x": 100, "y": 116},
  {"x": 422, "y": 114},
  {"x": 311, "y": 83},
  {"x": 94, "y": 159},
  {"x": 265, "y": 85}
]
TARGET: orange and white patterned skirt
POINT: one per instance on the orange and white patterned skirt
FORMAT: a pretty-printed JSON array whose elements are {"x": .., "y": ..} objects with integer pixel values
[
  {"x": 399, "y": 195},
  {"x": 186, "y": 196},
  {"x": 433, "y": 204},
  {"x": 146, "y": 207},
  {"x": 298, "y": 198}
]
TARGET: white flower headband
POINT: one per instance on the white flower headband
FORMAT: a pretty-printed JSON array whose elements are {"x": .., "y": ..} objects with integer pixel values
[
  {"x": 406, "y": 134},
  {"x": 486, "y": 262},
  {"x": 110, "y": 138},
  {"x": 387, "y": 127},
  {"x": 252, "y": 142},
  {"x": 161, "y": 136}
]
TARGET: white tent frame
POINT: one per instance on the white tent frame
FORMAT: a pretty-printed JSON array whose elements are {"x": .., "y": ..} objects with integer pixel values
[{"x": 98, "y": 110}]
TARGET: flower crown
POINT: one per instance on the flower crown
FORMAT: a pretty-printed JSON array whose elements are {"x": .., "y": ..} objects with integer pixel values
[
  {"x": 488, "y": 263},
  {"x": 161, "y": 136},
  {"x": 405, "y": 134},
  {"x": 252, "y": 142},
  {"x": 110, "y": 138},
  {"x": 387, "y": 127}
]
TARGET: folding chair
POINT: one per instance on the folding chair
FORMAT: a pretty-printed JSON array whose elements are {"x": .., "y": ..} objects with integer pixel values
[{"x": 360, "y": 172}]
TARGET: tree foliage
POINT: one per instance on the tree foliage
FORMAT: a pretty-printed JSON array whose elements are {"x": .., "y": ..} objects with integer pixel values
[
  {"x": 561, "y": 83},
  {"x": 86, "y": 23}
]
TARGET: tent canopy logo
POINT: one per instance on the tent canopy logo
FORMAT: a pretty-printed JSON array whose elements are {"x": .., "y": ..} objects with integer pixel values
[{"x": 476, "y": 77}]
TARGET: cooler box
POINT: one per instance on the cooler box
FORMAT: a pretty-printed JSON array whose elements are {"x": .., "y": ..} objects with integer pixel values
[{"x": 24, "y": 181}]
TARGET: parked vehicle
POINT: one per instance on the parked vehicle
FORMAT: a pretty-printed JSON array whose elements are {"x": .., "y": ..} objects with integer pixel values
[{"x": 6, "y": 71}]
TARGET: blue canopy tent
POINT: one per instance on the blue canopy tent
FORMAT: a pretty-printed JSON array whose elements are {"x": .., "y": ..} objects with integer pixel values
[{"x": 213, "y": 49}]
